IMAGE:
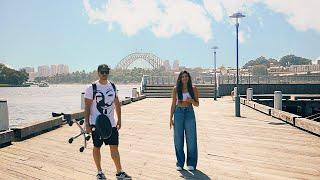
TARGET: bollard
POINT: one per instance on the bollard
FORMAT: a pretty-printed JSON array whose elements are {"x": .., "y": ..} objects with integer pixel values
[
  {"x": 82, "y": 101},
  {"x": 4, "y": 116},
  {"x": 235, "y": 91},
  {"x": 277, "y": 100},
  {"x": 134, "y": 92},
  {"x": 250, "y": 94}
]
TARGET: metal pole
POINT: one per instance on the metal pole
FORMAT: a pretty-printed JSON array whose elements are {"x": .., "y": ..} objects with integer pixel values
[
  {"x": 215, "y": 76},
  {"x": 249, "y": 78},
  {"x": 237, "y": 99}
]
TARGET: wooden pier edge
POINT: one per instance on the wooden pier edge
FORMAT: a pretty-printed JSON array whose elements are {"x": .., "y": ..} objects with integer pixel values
[
  {"x": 25, "y": 131},
  {"x": 293, "y": 119}
]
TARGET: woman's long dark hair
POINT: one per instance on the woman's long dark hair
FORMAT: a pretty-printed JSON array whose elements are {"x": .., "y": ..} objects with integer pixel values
[{"x": 180, "y": 85}]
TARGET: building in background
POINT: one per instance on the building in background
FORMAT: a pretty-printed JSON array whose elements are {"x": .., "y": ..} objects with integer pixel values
[
  {"x": 166, "y": 65},
  {"x": 304, "y": 68},
  {"x": 53, "y": 69},
  {"x": 28, "y": 69},
  {"x": 32, "y": 74},
  {"x": 176, "y": 65},
  {"x": 62, "y": 69},
  {"x": 43, "y": 71}
]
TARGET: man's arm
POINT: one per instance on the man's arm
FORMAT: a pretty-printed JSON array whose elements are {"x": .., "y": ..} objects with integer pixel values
[
  {"x": 118, "y": 111},
  {"x": 88, "y": 103}
]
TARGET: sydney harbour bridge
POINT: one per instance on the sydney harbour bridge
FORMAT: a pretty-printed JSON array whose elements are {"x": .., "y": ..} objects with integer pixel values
[{"x": 154, "y": 61}]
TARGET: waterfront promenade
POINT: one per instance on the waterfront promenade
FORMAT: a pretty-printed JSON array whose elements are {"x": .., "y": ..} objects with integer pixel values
[{"x": 255, "y": 146}]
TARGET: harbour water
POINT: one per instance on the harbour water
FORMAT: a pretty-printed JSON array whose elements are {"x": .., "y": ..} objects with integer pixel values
[{"x": 29, "y": 104}]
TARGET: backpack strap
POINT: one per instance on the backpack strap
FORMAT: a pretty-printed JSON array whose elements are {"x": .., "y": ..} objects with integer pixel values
[
  {"x": 114, "y": 88},
  {"x": 94, "y": 90}
]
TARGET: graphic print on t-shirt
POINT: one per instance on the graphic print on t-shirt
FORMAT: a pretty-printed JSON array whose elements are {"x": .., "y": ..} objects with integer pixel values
[{"x": 104, "y": 101}]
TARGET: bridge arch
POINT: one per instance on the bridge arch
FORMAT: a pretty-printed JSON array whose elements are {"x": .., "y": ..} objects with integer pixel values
[{"x": 152, "y": 59}]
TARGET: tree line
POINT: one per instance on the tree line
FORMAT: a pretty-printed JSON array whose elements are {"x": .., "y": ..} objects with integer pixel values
[
  {"x": 12, "y": 77},
  {"x": 260, "y": 65},
  {"x": 118, "y": 76}
]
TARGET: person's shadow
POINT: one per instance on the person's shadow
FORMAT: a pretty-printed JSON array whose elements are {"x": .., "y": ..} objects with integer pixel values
[{"x": 196, "y": 174}]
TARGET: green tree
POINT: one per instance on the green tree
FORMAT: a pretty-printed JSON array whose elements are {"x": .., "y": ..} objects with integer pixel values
[
  {"x": 11, "y": 76},
  {"x": 259, "y": 70},
  {"x": 294, "y": 60},
  {"x": 261, "y": 61}
]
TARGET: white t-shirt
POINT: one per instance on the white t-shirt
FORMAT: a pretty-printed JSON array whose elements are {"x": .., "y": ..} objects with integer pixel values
[{"x": 102, "y": 103}]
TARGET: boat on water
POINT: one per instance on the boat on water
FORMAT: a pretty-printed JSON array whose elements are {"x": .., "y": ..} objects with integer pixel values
[
  {"x": 43, "y": 84},
  {"x": 30, "y": 83}
]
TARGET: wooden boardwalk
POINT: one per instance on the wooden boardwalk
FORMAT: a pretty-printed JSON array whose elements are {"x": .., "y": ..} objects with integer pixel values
[{"x": 255, "y": 146}]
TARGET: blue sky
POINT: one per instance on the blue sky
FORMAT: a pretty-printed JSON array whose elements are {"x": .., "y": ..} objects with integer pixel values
[{"x": 86, "y": 33}]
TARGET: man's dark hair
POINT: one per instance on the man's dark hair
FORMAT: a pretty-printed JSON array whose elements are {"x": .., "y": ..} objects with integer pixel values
[{"x": 103, "y": 67}]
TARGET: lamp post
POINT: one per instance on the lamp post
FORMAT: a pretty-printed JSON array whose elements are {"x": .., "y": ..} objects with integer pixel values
[
  {"x": 215, "y": 71},
  {"x": 237, "y": 16}
]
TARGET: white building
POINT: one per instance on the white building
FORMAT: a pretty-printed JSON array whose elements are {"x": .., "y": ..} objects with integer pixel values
[
  {"x": 62, "y": 69},
  {"x": 304, "y": 68},
  {"x": 176, "y": 65},
  {"x": 54, "y": 70},
  {"x": 43, "y": 71},
  {"x": 166, "y": 65}
]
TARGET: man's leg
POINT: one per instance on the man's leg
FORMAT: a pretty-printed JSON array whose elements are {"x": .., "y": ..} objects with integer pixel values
[
  {"x": 97, "y": 157},
  {"x": 97, "y": 143},
  {"x": 115, "y": 157}
]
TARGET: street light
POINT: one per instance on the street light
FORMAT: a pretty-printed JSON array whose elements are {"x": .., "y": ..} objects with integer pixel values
[
  {"x": 215, "y": 71},
  {"x": 237, "y": 16}
]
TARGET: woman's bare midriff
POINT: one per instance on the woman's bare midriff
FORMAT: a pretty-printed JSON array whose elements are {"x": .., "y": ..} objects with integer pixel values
[{"x": 184, "y": 104}]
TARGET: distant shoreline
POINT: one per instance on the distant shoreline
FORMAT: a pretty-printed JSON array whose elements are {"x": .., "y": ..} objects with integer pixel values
[{"x": 12, "y": 85}]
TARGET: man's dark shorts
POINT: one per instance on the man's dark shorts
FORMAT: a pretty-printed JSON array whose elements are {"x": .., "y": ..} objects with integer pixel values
[{"x": 112, "y": 140}]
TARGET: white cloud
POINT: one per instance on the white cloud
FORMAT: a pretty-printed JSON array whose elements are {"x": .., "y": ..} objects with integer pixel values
[
  {"x": 214, "y": 8},
  {"x": 301, "y": 14},
  {"x": 166, "y": 18},
  {"x": 242, "y": 37}
]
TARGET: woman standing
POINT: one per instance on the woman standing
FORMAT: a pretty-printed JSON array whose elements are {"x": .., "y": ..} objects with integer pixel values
[{"x": 184, "y": 97}]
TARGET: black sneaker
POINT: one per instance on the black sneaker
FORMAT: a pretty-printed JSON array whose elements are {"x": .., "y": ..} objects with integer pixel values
[
  {"x": 101, "y": 176},
  {"x": 123, "y": 175}
]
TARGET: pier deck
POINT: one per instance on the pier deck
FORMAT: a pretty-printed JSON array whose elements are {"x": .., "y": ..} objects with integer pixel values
[{"x": 255, "y": 146}]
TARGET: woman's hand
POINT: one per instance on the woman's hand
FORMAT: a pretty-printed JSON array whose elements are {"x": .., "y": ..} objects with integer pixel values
[
  {"x": 171, "y": 123},
  {"x": 190, "y": 100}
]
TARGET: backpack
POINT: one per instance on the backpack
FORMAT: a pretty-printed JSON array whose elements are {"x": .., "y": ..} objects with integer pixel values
[{"x": 103, "y": 127}]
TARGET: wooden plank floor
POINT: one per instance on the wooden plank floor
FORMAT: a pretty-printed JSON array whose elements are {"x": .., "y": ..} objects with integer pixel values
[{"x": 254, "y": 146}]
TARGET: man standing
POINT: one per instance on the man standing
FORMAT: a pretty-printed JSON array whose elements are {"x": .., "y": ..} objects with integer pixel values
[{"x": 101, "y": 98}]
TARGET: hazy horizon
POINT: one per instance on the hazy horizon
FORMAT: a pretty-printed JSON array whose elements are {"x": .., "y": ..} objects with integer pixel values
[{"x": 84, "y": 34}]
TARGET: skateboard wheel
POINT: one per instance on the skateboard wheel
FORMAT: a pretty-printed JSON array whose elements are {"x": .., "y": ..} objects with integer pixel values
[
  {"x": 70, "y": 140},
  {"x": 81, "y": 149}
]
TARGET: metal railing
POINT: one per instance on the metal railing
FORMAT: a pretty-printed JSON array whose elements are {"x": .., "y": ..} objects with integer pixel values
[
  {"x": 301, "y": 79},
  {"x": 171, "y": 80},
  {"x": 230, "y": 79}
]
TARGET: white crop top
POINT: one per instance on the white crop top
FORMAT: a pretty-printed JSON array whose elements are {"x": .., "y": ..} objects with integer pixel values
[{"x": 185, "y": 96}]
